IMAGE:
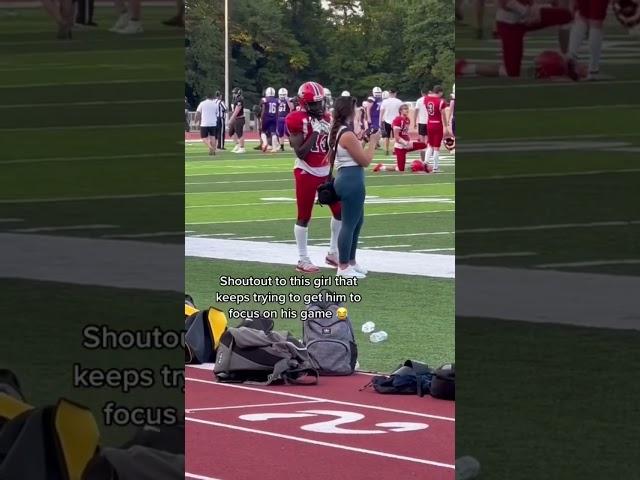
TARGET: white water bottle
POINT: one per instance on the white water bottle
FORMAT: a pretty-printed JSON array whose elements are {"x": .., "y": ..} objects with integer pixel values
[
  {"x": 368, "y": 327},
  {"x": 378, "y": 337}
]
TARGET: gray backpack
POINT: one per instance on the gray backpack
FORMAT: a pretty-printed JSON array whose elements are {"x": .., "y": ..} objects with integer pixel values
[{"x": 330, "y": 341}]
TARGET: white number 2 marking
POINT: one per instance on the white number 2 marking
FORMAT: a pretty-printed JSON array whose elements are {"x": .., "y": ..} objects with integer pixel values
[{"x": 334, "y": 425}]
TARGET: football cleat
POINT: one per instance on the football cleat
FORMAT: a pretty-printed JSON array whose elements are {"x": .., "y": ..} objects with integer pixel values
[
  {"x": 311, "y": 98},
  {"x": 283, "y": 93},
  {"x": 305, "y": 266}
]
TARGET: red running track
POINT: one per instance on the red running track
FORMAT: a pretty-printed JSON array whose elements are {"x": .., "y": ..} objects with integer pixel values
[{"x": 327, "y": 431}]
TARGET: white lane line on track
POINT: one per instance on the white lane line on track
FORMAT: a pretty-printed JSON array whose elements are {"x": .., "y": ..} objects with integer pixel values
[
  {"x": 315, "y": 216},
  {"x": 324, "y": 444},
  {"x": 232, "y": 407},
  {"x": 198, "y": 477},
  {"x": 320, "y": 399}
]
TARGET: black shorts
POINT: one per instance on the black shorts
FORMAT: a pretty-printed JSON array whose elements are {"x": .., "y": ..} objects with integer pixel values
[
  {"x": 387, "y": 131},
  {"x": 422, "y": 129},
  {"x": 208, "y": 132},
  {"x": 237, "y": 127}
]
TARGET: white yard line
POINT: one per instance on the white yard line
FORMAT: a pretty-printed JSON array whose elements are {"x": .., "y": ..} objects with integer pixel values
[
  {"x": 145, "y": 235},
  {"x": 386, "y": 246},
  {"x": 11, "y": 220},
  {"x": 288, "y": 190},
  {"x": 550, "y": 226},
  {"x": 592, "y": 263},
  {"x": 543, "y": 296},
  {"x": 315, "y": 216},
  {"x": 87, "y": 261},
  {"x": 434, "y": 249},
  {"x": 402, "y": 263},
  {"x": 62, "y": 228},
  {"x": 496, "y": 255}
]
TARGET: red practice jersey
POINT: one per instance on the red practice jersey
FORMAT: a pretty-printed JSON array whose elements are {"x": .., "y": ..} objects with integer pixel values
[
  {"x": 315, "y": 162},
  {"x": 435, "y": 106},
  {"x": 402, "y": 123}
]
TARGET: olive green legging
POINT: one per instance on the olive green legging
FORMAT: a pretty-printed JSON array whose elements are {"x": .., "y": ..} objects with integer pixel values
[{"x": 349, "y": 185}]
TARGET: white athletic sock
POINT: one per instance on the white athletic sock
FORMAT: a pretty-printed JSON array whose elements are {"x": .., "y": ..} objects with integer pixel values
[
  {"x": 335, "y": 231},
  {"x": 429, "y": 153},
  {"x": 595, "y": 48},
  {"x": 263, "y": 136},
  {"x": 577, "y": 35},
  {"x": 275, "y": 143},
  {"x": 301, "y": 234},
  {"x": 436, "y": 156}
]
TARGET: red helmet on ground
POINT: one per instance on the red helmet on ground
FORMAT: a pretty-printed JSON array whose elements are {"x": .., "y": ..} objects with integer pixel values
[
  {"x": 550, "y": 64},
  {"x": 417, "y": 166},
  {"x": 450, "y": 143},
  {"x": 311, "y": 97}
]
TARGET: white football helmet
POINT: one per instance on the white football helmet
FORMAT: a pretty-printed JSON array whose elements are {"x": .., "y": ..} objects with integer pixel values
[
  {"x": 377, "y": 92},
  {"x": 345, "y": 93},
  {"x": 283, "y": 93},
  {"x": 270, "y": 92},
  {"x": 327, "y": 94},
  {"x": 385, "y": 94}
]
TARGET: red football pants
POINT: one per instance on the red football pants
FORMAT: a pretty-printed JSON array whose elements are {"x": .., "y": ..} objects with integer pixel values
[
  {"x": 592, "y": 9},
  {"x": 401, "y": 154},
  {"x": 306, "y": 189},
  {"x": 512, "y": 36}
]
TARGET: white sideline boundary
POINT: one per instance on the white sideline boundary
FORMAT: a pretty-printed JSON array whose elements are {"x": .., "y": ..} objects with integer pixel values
[
  {"x": 403, "y": 263},
  {"x": 90, "y": 261},
  {"x": 568, "y": 298}
]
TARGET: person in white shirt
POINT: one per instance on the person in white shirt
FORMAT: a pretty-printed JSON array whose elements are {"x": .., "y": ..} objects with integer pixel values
[
  {"x": 388, "y": 111},
  {"x": 207, "y": 115},
  {"x": 420, "y": 115}
]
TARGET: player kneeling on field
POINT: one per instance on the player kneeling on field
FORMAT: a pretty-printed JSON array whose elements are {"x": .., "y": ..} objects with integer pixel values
[{"x": 403, "y": 143}]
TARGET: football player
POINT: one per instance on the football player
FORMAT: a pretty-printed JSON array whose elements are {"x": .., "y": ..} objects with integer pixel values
[
  {"x": 308, "y": 135},
  {"x": 403, "y": 143},
  {"x": 236, "y": 122},
  {"x": 269, "y": 116},
  {"x": 589, "y": 17},
  {"x": 374, "y": 103},
  {"x": 437, "y": 124},
  {"x": 514, "y": 18},
  {"x": 284, "y": 107}
]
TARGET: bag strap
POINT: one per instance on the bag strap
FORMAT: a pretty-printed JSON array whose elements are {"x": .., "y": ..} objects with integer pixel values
[{"x": 334, "y": 150}]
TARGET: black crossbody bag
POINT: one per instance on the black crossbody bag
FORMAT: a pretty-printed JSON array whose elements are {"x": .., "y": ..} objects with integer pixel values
[{"x": 327, "y": 192}]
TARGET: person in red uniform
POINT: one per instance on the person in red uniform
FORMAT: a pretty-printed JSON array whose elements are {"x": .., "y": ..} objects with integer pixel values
[
  {"x": 589, "y": 17},
  {"x": 514, "y": 18},
  {"x": 437, "y": 125},
  {"x": 403, "y": 143},
  {"x": 308, "y": 135}
]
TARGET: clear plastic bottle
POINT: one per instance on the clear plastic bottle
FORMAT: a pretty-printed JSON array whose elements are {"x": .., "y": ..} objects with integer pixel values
[
  {"x": 368, "y": 327},
  {"x": 378, "y": 337}
]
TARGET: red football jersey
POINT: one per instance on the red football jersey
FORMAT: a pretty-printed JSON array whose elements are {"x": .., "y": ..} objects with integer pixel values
[
  {"x": 435, "y": 105},
  {"x": 403, "y": 123},
  {"x": 299, "y": 122}
]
